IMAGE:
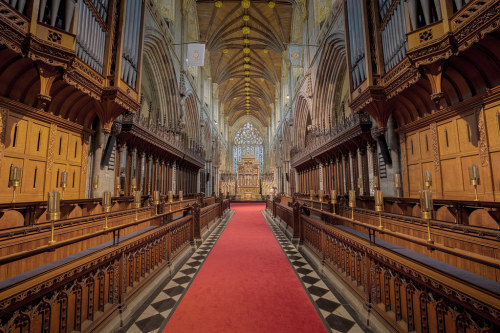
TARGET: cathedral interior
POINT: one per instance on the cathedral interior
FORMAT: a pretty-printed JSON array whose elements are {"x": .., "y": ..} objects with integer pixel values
[{"x": 338, "y": 156}]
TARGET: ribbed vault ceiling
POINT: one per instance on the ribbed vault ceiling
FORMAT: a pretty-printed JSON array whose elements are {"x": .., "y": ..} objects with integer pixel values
[{"x": 247, "y": 81}]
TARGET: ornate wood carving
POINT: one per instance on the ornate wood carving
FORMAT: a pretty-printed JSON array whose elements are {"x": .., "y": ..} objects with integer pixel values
[
  {"x": 3, "y": 130},
  {"x": 435, "y": 148},
  {"x": 484, "y": 154}
]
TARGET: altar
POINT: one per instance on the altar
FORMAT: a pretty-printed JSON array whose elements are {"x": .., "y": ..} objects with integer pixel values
[{"x": 248, "y": 179}]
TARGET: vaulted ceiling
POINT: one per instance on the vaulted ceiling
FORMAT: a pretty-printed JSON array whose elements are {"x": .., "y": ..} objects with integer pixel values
[{"x": 246, "y": 64}]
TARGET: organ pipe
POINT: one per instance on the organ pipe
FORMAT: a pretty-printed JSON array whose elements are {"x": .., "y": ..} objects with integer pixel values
[
  {"x": 358, "y": 69},
  {"x": 90, "y": 39},
  {"x": 394, "y": 38}
]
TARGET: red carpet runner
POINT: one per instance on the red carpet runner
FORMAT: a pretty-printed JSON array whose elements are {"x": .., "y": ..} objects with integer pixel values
[{"x": 246, "y": 285}]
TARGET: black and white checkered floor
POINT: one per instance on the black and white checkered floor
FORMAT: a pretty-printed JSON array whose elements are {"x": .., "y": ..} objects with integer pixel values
[
  {"x": 331, "y": 309},
  {"x": 158, "y": 309},
  {"x": 153, "y": 317}
]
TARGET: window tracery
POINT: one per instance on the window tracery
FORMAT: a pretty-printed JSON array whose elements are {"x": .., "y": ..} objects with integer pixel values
[{"x": 248, "y": 141}]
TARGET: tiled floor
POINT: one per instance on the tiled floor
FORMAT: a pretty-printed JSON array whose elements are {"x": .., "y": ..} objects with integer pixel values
[
  {"x": 327, "y": 304},
  {"x": 154, "y": 316}
]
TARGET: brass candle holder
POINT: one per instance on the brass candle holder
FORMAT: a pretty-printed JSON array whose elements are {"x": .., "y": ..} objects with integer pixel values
[
  {"x": 64, "y": 183},
  {"x": 14, "y": 180},
  {"x": 474, "y": 178},
  {"x": 426, "y": 206},
  {"x": 333, "y": 198},
  {"x": 397, "y": 184},
  {"x": 95, "y": 184},
  {"x": 170, "y": 200},
  {"x": 106, "y": 207},
  {"x": 156, "y": 200},
  {"x": 118, "y": 186},
  {"x": 311, "y": 195},
  {"x": 379, "y": 206},
  {"x": 352, "y": 202},
  {"x": 133, "y": 186},
  {"x": 427, "y": 179},
  {"x": 53, "y": 212},
  {"x": 181, "y": 197},
  {"x": 137, "y": 203},
  {"x": 320, "y": 198}
]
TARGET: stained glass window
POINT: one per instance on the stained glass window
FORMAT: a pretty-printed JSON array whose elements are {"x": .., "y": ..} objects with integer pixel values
[{"x": 248, "y": 142}]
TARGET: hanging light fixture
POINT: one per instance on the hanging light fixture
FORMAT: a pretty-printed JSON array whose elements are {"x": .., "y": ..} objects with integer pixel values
[
  {"x": 271, "y": 4},
  {"x": 218, "y": 4}
]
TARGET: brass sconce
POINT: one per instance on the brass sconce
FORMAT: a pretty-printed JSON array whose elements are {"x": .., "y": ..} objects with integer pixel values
[
  {"x": 133, "y": 186},
  {"x": 397, "y": 184},
  {"x": 379, "y": 206},
  {"x": 427, "y": 179},
  {"x": 352, "y": 202},
  {"x": 156, "y": 200},
  {"x": 426, "y": 205},
  {"x": 14, "y": 180},
  {"x": 333, "y": 195},
  {"x": 95, "y": 184},
  {"x": 474, "y": 178},
  {"x": 137, "y": 203},
  {"x": 106, "y": 207},
  {"x": 64, "y": 183},
  {"x": 170, "y": 199},
  {"x": 53, "y": 212},
  {"x": 118, "y": 186}
]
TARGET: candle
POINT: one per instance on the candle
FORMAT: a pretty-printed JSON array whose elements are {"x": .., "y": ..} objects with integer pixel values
[
  {"x": 95, "y": 181},
  {"x": 360, "y": 182},
  {"x": 379, "y": 201},
  {"x": 53, "y": 203},
  {"x": 137, "y": 199},
  {"x": 320, "y": 195},
  {"x": 376, "y": 183},
  {"x": 133, "y": 183},
  {"x": 106, "y": 198},
  {"x": 15, "y": 176},
  {"x": 427, "y": 178},
  {"x": 352, "y": 198},
  {"x": 170, "y": 196},
  {"x": 312, "y": 194},
  {"x": 156, "y": 197},
  {"x": 397, "y": 180},
  {"x": 426, "y": 204},
  {"x": 180, "y": 195},
  {"x": 118, "y": 183},
  {"x": 333, "y": 195},
  {"x": 474, "y": 175},
  {"x": 64, "y": 179}
]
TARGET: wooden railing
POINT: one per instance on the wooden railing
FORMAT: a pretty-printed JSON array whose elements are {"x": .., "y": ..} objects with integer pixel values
[
  {"x": 82, "y": 294},
  {"x": 406, "y": 294},
  {"x": 20, "y": 214}
]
